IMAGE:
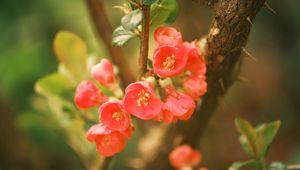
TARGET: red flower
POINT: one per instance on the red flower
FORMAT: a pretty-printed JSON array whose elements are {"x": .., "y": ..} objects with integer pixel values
[
  {"x": 140, "y": 100},
  {"x": 114, "y": 115},
  {"x": 104, "y": 72},
  {"x": 88, "y": 95},
  {"x": 169, "y": 61},
  {"x": 180, "y": 105},
  {"x": 167, "y": 36},
  {"x": 184, "y": 157},
  {"x": 195, "y": 63},
  {"x": 108, "y": 142},
  {"x": 195, "y": 87}
]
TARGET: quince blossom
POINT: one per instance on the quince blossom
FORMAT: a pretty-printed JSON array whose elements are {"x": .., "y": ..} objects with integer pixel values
[
  {"x": 104, "y": 73},
  {"x": 183, "y": 157},
  {"x": 88, "y": 95},
  {"x": 167, "y": 36},
  {"x": 195, "y": 87},
  {"x": 114, "y": 115},
  {"x": 140, "y": 100},
  {"x": 108, "y": 142},
  {"x": 169, "y": 61}
]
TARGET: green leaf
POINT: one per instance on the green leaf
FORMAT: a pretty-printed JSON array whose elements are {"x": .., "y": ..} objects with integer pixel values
[
  {"x": 253, "y": 163},
  {"x": 72, "y": 53},
  {"x": 164, "y": 11},
  {"x": 248, "y": 136},
  {"x": 149, "y": 2},
  {"x": 277, "y": 166},
  {"x": 54, "y": 86},
  {"x": 121, "y": 36},
  {"x": 131, "y": 20},
  {"x": 265, "y": 135},
  {"x": 174, "y": 10}
]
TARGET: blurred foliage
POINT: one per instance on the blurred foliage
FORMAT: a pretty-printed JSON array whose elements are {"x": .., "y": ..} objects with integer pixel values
[{"x": 27, "y": 29}]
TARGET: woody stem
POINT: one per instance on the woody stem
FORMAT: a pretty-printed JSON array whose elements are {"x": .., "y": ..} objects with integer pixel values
[{"x": 144, "y": 39}]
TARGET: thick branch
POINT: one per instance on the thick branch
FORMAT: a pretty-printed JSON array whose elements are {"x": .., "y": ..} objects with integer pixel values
[
  {"x": 228, "y": 35},
  {"x": 104, "y": 30},
  {"x": 210, "y": 3},
  {"x": 144, "y": 45}
]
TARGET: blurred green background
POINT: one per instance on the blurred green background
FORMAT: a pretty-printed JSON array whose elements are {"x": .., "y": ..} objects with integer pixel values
[{"x": 29, "y": 141}]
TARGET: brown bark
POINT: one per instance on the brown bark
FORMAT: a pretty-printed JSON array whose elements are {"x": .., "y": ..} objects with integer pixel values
[
  {"x": 228, "y": 35},
  {"x": 105, "y": 30},
  {"x": 144, "y": 46}
]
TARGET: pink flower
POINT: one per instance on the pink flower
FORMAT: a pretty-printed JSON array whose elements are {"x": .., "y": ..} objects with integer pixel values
[
  {"x": 184, "y": 157},
  {"x": 166, "y": 117},
  {"x": 195, "y": 87},
  {"x": 195, "y": 63},
  {"x": 108, "y": 142},
  {"x": 180, "y": 105},
  {"x": 169, "y": 61},
  {"x": 88, "y": 95},
  {"x": 114, "y": 115},
  {"x": 104, "y": 72},
  {"x": 141, "y": 101},
  {"x": 167, "y": 36}
]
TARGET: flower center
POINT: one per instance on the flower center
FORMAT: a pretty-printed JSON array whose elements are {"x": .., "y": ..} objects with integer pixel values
[
  {"x": 117, "y": 116},
  {"x": 143, "y": 98},
  {"x": 169, "y": 63},
  {"x": 105, "y": 141}
]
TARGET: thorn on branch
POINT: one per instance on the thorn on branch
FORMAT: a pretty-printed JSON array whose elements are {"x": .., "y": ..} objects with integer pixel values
[
  {"x": 249, "y": 20},
  {"x": 248, "y": 54},
  {"x": 221, "y": 81},
  {"x": 269, "y": 8}
]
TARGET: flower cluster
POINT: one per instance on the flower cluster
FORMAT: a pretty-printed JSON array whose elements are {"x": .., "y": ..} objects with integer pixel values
[
  {"x": 184, "y": 157},
  {"x": 114, "y": 121},
  {"x": 167, "y": 94}
]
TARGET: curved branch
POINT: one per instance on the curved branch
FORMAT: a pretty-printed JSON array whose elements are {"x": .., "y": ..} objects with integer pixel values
[
  {"x": 228, "y": 35},
  {"x": 105, "y": 30}
]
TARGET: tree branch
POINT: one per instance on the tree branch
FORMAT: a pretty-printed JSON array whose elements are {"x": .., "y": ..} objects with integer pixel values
[
  {"x": 209, "y": 3},
  {"x": 228, "y": 35},
  {"x": 144, "y": 45},
  {"x": 104, "y": 30}
]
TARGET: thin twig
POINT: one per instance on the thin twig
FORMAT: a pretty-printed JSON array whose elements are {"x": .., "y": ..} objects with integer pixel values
[
  {"x": 144, "y": 40},
  {"x": 104, "y": 30}
]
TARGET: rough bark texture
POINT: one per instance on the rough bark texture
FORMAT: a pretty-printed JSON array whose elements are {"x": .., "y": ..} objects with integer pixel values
[
  {"x": 228, "y": 35},
  {"x": 105, "y": 30}
]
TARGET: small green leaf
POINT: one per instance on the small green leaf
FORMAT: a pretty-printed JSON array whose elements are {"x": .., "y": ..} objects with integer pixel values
[
  {"x": 54, "y": 86},
  {"x": 131, "y": 20},
  {"x": 277, "y": 166},
  {"x": 72, "y": 53},
  {"x": 163, "y": 11},
  {"x": 248, "y": 142},
  {"x": 265, "y": 135},
  {"x": 121, "y": 36},
  {"x": 253, "y": 163},
  {"x": 174, "y": 10},
  {"x": 149, "y": 2}
]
